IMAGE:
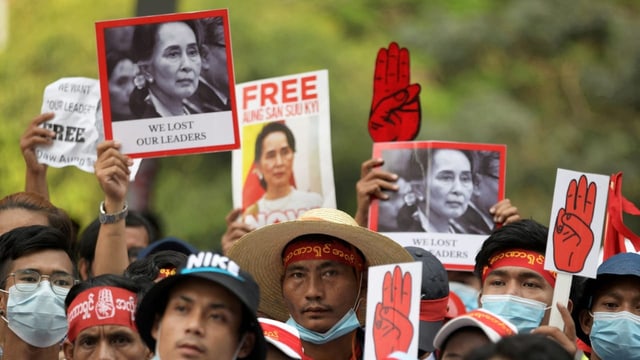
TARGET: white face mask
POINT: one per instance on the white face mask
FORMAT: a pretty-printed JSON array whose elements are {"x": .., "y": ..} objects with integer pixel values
[
  {"x": 525, "y": 314},
  {"x": 37, "y": 317}
]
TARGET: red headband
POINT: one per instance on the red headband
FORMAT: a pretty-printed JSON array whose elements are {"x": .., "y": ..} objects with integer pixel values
[
  {"x": 322, "y": 250},
  {"x": 433, "y": 310},
  {"x": 165, "y": 273},
  {"x": 281, "y": 335},
  {"x": 103, "y": 305},
  {"x": 521, "y": 258}
]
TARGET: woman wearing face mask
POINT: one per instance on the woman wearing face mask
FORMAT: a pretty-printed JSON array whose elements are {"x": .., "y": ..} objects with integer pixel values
[
  {"x": 169, "y": 63},
  {"x": 37, "y": 273}
]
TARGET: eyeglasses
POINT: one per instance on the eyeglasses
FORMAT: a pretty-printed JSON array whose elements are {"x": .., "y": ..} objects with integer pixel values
[{"x": 28, "y": 281}]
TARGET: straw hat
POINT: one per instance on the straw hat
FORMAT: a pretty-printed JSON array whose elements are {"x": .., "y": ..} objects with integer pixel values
[{"x": 260, "y": 251}]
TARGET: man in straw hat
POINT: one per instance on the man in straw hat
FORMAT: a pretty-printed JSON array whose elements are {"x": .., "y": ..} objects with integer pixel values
[
  {"x": 312, "y": 273},
  {"x": 206, "y": 311}
]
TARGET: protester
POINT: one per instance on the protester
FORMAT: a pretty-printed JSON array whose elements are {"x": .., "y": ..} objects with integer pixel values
[
  {"x": 168, "y": 58},
  {"x": 28, "y": 208},
  {"x": 112, "y": 172},
  {"x": 459, "y": 336},
  {"x": 101, "y": 318},
  {"x": 515, "y": 284},
  {"x": 159, "y": 260},
  {"x": 36, "y": 273},
  {"x": 318, "y": 292},
  {"x": 138, "y": 234},
  {"x": 34, "y": 137},
  {"x": 434, "y": 298},
  {"x": 521, "y": 347},
  {"x": 283, "y": 341},
  {"x": 206, "y": 311},
  {"x": 610, "y": 322}
]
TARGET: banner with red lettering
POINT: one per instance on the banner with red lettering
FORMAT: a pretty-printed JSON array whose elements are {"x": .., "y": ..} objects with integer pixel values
[{"x": 284, "y": 166}]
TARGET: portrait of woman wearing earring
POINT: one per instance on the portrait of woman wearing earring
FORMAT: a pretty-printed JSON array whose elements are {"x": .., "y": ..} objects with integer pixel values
[{"x": 169, "y": 63}]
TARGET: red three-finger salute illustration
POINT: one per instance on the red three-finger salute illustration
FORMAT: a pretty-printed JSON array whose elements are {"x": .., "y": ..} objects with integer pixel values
[
  {"x": 393, "y": 331},
  {"x": 395, "y": 109},
  {"x": 572, "y": 234}
]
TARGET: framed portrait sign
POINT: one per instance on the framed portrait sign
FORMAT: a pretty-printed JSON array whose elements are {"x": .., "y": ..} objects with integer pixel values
[
  {"x": 167, "y": 83},
  {"x": 445, "y": 192},
  {"x": 284, "y": 167}
]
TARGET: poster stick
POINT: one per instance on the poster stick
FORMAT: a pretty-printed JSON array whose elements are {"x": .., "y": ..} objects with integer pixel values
[{"x": 560, "y": 295}]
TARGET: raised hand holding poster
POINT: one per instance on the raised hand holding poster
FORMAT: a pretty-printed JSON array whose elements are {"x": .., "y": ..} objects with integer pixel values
[
  {"x": 575, "y": 231},
  {"x": 285, "y": 166}
]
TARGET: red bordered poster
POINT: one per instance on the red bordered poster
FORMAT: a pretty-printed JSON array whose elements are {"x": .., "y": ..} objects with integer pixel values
[
  {"x": 167, "y": 83},
  {"x": 445, "y": 192}
]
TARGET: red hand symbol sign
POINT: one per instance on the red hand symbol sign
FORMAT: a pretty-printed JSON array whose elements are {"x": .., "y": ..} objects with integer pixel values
[
  {"x": 395, "y": 109},
  {"x": 392, "y": 329},
  {"x": 572, "y": 235}
]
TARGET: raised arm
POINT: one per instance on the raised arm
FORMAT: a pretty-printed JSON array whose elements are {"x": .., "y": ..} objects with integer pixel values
[
  {"x": 112, "y": 171},
  {"x": 34, "y": 136},
  {"x": 373, "y": 181}
]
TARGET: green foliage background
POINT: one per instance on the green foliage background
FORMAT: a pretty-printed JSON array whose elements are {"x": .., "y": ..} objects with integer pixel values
[{"x": 557, "y": 81}]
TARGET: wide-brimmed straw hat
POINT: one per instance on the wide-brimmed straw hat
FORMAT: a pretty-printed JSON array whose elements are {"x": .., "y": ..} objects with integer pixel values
[{"x": 260, "y": 251}]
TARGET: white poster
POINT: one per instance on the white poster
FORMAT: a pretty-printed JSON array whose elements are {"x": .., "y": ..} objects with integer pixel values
[{"x": 284, "y": 167}]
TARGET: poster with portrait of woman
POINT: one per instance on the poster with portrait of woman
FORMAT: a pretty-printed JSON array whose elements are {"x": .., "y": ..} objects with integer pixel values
[
  {"x": 445, "y": 192},
  {"x": 284, "y": 167},
  {"x": 167, "y": 83}
]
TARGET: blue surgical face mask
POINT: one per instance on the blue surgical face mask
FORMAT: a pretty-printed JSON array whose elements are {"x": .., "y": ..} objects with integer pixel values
[
  {"x": 615, "y": 335},
  {"x": 347, "y": 324},
  {"x": 524, "y": 314},
  {"x": 468, "y": 294},
  {"x": 37, "y": 317}
]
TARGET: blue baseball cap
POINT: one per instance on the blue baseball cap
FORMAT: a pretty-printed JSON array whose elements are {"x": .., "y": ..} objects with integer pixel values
[
  {"x": 621, "y": 264},
  {"x": 215, "y": 268},
  {"x": 168, "y": 243}
]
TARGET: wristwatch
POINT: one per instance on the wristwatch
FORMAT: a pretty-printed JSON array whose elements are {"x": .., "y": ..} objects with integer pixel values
[{"x": 112, "y": 218}]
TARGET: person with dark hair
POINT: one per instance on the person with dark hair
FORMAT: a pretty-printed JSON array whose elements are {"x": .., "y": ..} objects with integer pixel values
[
  {"x": 206, "y": 311},
  {"x": 213, "y": 88},
  {"x": 138, "y": 235},
  {"x": 100, "y": 313},
  {"x": 36, "y": 273},
  {"x": 434, "y": 299},
  {"x": 120, "y": 71},
  {"x": 29, "y": 208},
  {"x": 273, "y": 161},
  {"x": 169, "y": 64},
  {"x": 515, "y": 284},
  {"x": 521, "y": 347},
  {"x": 320, "y": 292},
  {"x": 610, "y": 316},
  {"x": 157, "y": 266},
  {"x": 462, "y": 334}
]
